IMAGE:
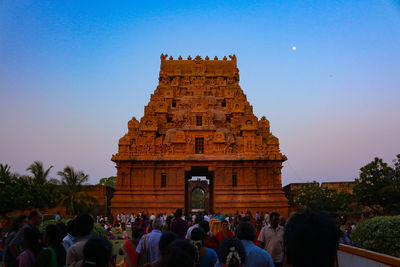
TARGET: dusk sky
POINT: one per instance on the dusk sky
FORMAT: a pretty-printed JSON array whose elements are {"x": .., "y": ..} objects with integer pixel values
[{"x": 73, "y": 73}]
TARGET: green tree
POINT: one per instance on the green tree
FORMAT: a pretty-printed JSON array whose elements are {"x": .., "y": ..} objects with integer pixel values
[
  {"x": 313, "y": 196},
  {"x": 108, "y": 181},
  {"x": 73, "y": 196},
  {"x": 12, "y": 191},
  {"x": 378, "y": 186},
  {"x": 42, "y": 189}
]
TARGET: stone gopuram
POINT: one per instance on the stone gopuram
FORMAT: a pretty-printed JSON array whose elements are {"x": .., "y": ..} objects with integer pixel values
[{"x": 198, "y": 146}]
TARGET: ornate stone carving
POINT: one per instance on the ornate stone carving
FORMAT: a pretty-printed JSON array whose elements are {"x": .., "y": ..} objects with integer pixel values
[{"x": 198, "y": 116}]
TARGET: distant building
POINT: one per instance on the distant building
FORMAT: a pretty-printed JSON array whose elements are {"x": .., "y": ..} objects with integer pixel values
[{"x": 346, "y": 187}]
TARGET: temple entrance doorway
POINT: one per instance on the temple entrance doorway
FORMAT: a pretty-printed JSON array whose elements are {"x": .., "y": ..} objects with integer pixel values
[{"x": 198, "y": 190}]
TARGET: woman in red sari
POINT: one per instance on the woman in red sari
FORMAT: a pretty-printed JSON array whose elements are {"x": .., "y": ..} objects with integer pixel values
[
  {"x": 225, "y": 233},
  {"x": 128, "y": 248}
]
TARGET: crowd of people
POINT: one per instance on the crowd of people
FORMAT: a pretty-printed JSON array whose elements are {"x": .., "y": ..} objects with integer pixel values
[{"x": 308, "y": 239}]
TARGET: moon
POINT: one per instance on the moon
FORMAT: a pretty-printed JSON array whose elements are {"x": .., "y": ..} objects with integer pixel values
[{"x": 294, "y": 48}]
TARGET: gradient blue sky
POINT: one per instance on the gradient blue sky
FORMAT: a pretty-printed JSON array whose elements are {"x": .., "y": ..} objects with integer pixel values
[{"x": 72, "y": 73}]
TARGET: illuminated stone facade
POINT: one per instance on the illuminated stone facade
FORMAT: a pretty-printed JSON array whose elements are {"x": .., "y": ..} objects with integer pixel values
[{"x": 198, "y": 126}]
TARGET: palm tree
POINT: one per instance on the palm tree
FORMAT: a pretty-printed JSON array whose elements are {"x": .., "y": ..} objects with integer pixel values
[
  {"x": 73, "y": 196},
  {"x": 38, "y": 172},
  {"x": 43, "y": 191}
]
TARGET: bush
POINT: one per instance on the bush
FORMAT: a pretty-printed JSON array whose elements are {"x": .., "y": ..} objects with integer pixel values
[
  {"x": 380, "y": 234},
  {"x": 97, "y": 229},
  {"x": 47, "y": 217}
]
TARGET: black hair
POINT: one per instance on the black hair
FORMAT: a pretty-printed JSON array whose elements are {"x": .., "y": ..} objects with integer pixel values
[
  {"x": 205, "y": 226},
  {"x": 62, "y": 228},
  {"x": 53, "y": 235},
  {"x": 137, "y": 233},
  {"x": 273, "y": 214},
  {"x": 165, "y": 240},
  {"x": 84, "y": 224},
  {"x": 199, "y": 219},
  {"x": 33, "y": 214},
  {"x": 198, "y": 234},
  {"x": 245, "y": 231},
  {"x": 197, "y": 238},
  {"x": 14, "y": 226},
  {"x": 178, "y": 213},
  {"x": 70, "y": 225},
  {"x": 311, "y": 239},
  {"x": 98, "y": 250},
  {"x": 31, "y": 239},
  {"x": 231, "y": 245},
  {"x": 180, "y": 254}
]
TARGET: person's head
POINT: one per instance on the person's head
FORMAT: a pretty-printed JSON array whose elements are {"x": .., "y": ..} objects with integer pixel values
[
  {"x": 282, "y": 221},
  {"x": 157, "y": 224},
  {"x": 198, "y": 236},
  {"x": 35, "y": 218},
  {"x": 274, "y": 219},
  {"x": 18, "y": 223},
  {"x": 62, "y": 228},
  {"x": 30, "y": 240},
  {"x": 245, "y": 231},
  {"x": 311, "y": 239},
  {"x": 71, "y": 227},
  {"x": 258, "y": 224},
  {"x": 137, "y": 233},
  {"x": 231, "y": 252},
  {"x": 180, "y": 254},
  {"x": 51, "y": 236},
  {"x": 199, "y": 219},
  {"x": 225, "y": 225},
  {"x": 178, "y": 213},
  {"x": 336, "y": 219},
  {"x": 97, "y": 252},
  {"x": 205, "y": 226},
  {"x": 83, "y": 224},
  {"x": 165, "y": 240}
]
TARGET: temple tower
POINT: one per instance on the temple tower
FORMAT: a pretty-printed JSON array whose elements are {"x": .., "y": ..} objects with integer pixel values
[{"x": 199, "y": 146}]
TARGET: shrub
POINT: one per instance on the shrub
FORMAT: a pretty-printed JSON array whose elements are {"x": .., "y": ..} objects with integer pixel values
[
  {"x": 380, "y": 234},
  {"x": 97, "y": 229},
  {"x": 47, "y": 217}
]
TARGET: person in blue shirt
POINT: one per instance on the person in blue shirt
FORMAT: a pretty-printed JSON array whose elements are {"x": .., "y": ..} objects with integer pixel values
[
  {"x": 207, "y": 256},
  {"x": 231, "y": 252},
  {"x": 255, "y": 256}
]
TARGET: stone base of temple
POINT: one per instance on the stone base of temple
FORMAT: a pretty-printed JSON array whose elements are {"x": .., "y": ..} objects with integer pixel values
[{"x": 224, "y": 186}]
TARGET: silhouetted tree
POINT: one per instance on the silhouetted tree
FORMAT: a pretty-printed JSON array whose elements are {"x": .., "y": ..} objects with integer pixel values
[{"x": 73, "y": 196}]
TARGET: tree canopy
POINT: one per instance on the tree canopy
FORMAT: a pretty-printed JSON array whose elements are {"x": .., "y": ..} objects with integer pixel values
[
  {"x": 108, "y": 181},
  {"x": 313, "y": 196},
  {"x": 39, "y": 191},
  {"x": 378, "y": 186}
]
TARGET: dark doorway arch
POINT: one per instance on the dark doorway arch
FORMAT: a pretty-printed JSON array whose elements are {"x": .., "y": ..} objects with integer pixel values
[{"x": 192, "y": 182}]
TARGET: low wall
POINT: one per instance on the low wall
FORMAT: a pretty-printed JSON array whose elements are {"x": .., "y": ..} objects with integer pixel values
[{"x": 358, "y": 257}]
